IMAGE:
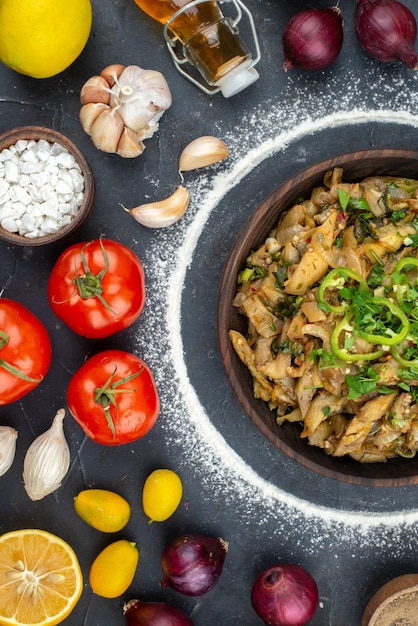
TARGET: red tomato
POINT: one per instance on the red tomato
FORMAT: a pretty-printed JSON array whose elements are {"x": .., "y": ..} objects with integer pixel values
[
  {"x": 97, "y": 288},
  {"x": 114, "y": 398},
  {"x": 25, "y": 351}
]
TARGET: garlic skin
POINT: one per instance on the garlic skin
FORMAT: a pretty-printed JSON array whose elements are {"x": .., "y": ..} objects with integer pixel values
[
  {"x": 141, "y": 97},
  {"x": 201, "y": 152},
  {"x": 8, "y": 436},
  {"x": 96, "y": 89},
  {"x": 122, "y": 106},
  {"x": 112, "y": 72},
  {"x": 47, "y": 460},
  {"x": 106, "y": 130},
  {"x": 89, "y": 114},
  {"x": 129, "y": 146},
  {"x": 163, "y": 213}
]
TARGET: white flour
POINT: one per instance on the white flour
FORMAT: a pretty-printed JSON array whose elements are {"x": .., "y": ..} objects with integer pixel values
[{"x": 186, "y": 423}]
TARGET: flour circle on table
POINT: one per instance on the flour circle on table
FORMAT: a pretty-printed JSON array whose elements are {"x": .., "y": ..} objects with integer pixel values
[{"x": 186, "y": 421}]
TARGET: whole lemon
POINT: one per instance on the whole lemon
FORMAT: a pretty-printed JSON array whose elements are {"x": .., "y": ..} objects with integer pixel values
[
  {"x": 161, "y": 494},
  {"x": 41, "y": 38}
]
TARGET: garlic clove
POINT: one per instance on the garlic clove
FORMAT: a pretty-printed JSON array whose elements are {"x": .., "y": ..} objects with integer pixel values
[
  {"x": 106, "y": 130},
  {"x": 47, "y": 460},
  {"x": 162, "y": 213},
  {"x": 129, "y": 145},
  {"x": 89, "y": 114},
  {"x": 96, "y": 89},
  {"x": 8, "y": 436},
  {"x": 201, "y": 152},
  {"x": 111, "y": 73}
]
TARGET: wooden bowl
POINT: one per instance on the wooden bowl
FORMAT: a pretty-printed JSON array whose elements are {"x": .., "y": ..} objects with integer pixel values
[
  {"x": 357, "y": 165},
  {"x": 394, "y": 603},
  {"x": 9, "y": 138}
]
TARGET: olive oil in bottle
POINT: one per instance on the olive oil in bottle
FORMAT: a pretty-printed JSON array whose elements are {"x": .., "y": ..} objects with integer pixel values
[{"x": 210, "y": 41}]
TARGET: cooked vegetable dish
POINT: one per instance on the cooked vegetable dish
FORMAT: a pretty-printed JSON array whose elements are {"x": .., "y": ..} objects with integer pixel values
[{"x": 331, "y": 300}]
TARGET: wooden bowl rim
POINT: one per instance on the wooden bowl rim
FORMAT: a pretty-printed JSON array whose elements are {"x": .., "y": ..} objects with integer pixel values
[
  {"x": 9, "y": 138},
  {"x": 268, "y": 212},
  {"x": 388, "y": 593}
]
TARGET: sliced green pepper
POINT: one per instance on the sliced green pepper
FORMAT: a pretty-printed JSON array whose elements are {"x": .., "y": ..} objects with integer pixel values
[
  {"x": 407, "y": 260},
  {"x": 404, "y": 362},
  {"x": 336, "y": 279},
  {"x": 343, "y": 353},
  {"x": 397, "y": 275},
  {"x": 395, "y": 338}
]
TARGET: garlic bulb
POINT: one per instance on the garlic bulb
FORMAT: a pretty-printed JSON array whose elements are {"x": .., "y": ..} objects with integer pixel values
[
  {"x": 162, "y": 213},
  {"x": 201, "y": 152},
  {"x": 8, "y": 436},
  {"x": 47, "y": 460},
  {"x": 122, "y": 106}
]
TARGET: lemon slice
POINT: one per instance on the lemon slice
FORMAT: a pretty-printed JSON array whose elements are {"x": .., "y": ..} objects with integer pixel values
[{"x": 40, "y": 578}]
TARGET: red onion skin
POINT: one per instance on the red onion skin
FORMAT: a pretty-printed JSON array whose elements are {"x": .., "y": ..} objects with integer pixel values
[
  {"x": 139, "y": 613},
  {"x": 192, "y": 564},
  {"x": 285, "y": 595},
  {"x": 313, "y": 39},
  {"x": 387, "y": 30}
]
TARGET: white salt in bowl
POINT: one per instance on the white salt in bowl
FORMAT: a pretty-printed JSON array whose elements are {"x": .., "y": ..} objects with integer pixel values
[{"x": 46, "y": 186}]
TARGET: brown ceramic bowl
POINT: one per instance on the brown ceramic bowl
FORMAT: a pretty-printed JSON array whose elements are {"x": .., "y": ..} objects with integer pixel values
[
  {"x": 394, "y": 603},
  {"x": 357, "y": 165},
  {"x": 9, "y": 138}
]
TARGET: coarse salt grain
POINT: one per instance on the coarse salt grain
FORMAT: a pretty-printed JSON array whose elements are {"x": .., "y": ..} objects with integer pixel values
[{"x": 41, "y": 188}]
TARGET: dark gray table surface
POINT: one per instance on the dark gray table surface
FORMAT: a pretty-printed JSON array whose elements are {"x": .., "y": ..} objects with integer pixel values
[{"x": 236, "y": 484}]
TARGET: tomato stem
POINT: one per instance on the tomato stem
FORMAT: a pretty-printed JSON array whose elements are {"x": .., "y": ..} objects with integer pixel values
[
  {"x": 4, "y": 340},
  {"x": 106, "y": 395},
  {"x": 90, "y": 285}
]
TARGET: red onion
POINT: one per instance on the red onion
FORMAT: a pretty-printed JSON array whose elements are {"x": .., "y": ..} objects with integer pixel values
[
  {"x": 139, "y": 613},
  {"x": 285, "y": 595},
  {"x": 387, "y": 30},
  {"x": 192, "y": 564},
  {"x": 313, "y": 39}
]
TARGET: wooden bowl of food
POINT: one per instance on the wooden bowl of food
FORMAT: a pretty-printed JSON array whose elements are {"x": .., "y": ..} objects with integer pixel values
[
  {"x": 47, "y": 186},
  {"x": 334, "y": 368},
  {"x": 396, "y": 602}
]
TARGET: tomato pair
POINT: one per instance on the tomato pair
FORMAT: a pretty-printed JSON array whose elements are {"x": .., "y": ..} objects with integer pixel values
[{"x": 98, "y": 288}]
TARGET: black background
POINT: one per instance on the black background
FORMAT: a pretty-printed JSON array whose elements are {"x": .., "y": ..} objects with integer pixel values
[{"x": 236, "y": 484}]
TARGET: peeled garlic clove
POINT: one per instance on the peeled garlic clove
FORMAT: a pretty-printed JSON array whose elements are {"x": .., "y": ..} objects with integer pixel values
[
  {"x": 89, "y": 114},
  {"x": 8, "y": 436},
  {"x": 47, "y": 460},
  {"x": 129, "y": 145},
  {"x": 106, "y": 130},
  {"x": 201, "y": 152},
  {"x": 162, "y": 213},
  {"x": 96, "y": 89},
  {"x": 111, "y": 73}
]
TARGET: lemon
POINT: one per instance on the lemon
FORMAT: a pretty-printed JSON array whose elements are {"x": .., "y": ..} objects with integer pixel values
[
  {"x": 161, "y": 494},
  {"x": 43, "y": 38},
  {"x": 40, "y": 578},
  {"x": 104, "y": 510},
  {"x": 113, "y": 570}
]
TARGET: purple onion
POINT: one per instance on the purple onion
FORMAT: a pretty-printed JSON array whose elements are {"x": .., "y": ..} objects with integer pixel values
[
  {"x": 139, "y": 613},
  {"x": 313, "y": 39},
  {"x": 387, "y": 30},
  {"x": 285, "y": 595},
  {"x": 192, "y": 564}
]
